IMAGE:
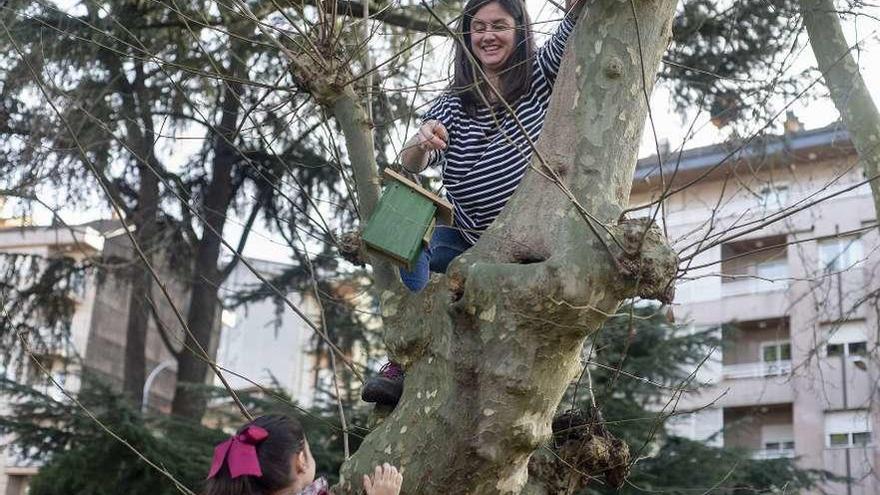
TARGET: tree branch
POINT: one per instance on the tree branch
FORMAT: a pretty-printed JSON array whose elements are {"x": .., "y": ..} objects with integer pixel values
[
  {"x": 405, "y": 17},
  {"x": 248, "y": 226},
  {"x": 846, "y": 85},
  {"x": 162, "y": 329}
]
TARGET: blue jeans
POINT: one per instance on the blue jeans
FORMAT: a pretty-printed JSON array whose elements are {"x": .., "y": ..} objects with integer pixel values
[{"x": 446, "y": 244}]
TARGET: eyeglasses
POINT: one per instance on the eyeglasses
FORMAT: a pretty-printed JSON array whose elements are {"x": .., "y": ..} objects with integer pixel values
[{"x": 482, "y": 27}]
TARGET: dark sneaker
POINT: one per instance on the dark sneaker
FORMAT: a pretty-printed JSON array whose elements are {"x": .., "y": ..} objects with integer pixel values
[{"x": 386, "y": 387}]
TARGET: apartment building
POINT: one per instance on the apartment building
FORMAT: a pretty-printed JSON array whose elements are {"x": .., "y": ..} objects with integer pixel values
[
  {"x": 780, "y": 239},
  {"x": 78, "y": 243},
  {"x": 265, "y": 341},
  {"x": 251, "y": 344}
]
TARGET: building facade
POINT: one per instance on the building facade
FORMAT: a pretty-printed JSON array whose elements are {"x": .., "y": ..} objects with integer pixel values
[
  {"x": 78, "y": 243},
  {"x": 252, "y": 346},
  {"x": 266, "y": 341},
  {"x": 779, "y": 241}
]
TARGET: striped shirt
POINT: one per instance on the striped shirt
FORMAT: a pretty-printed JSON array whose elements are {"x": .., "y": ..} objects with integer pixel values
[{"x": 488, "y": 154}]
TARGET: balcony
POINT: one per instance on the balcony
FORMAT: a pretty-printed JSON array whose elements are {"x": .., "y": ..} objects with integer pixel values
[
  {"x": 766, "y": 431},
  {"x": 743, "y": 286},
  {"x": 754, "y": 266},
  {"x": 22, "y": 462},
  {"x": 756, "y": 370},
  {"x": 756, "y": 362},
  {"x": 774, "y": 453},
  {"x": 756, "y": 348}
]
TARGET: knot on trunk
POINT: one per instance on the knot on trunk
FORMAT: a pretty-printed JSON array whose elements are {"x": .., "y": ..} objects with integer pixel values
[
  {"x": 351, "y": 247},
  {"x": 584, "y": 449},
  {"x": 648, "y": 263}
]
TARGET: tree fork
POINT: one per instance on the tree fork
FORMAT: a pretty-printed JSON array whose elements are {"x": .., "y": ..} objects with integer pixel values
[{"x": 491, "y": 348}]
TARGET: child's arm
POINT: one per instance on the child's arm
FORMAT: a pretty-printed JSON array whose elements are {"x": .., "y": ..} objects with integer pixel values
[{"x": 386, "y": 480}]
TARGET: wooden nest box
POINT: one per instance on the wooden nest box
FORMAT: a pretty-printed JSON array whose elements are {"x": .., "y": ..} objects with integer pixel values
[{"x": 404, "y": 220}]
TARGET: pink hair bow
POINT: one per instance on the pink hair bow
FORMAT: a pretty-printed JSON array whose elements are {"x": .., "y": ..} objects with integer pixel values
[{"x": 240, "y": 453}]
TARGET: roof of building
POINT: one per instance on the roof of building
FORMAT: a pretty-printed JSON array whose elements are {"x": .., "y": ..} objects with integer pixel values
[
  {"x": 80, "y": 237},
  {"x": 834, "y": 135}
]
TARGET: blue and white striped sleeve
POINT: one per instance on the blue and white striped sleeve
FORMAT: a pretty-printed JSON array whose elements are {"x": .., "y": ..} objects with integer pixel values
[
  {"x": 550, "y": 54},
  {"x": 442, "y": 110}
]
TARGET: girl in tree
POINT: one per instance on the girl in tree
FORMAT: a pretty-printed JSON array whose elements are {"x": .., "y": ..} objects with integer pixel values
[
  {"x": 271, "y": 456},
  {"x": 479, "y": 132}
]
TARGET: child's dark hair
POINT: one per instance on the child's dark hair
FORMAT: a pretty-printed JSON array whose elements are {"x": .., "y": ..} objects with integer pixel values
[
  {"x": 285, "y": 440},
  {"x": 516, "y": 76}
]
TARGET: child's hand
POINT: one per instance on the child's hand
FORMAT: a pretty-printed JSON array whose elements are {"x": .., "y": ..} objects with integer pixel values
[
  {"x": 386, "y": 480},
  {"x": 432, "y": 136}
]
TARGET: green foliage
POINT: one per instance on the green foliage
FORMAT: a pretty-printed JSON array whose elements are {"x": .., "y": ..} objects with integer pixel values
[
  {"x": 320, "y": 423},
  {"x": 682, "y": 465},
  {"x": 80, "y": 457},
  {"x": 36, "y": 302},
  {"x": 655, "y": 358},
  {"x": 726, "y": 55}
]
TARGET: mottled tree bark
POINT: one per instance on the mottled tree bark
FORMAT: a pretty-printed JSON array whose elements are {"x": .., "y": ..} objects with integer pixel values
[
  {"x": 490, "y": 348},
  {"x": 845, "y": 83},
  {"x": 358, "y": 132}
]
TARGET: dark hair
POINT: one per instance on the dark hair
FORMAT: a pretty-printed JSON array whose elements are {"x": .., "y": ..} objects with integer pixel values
[
  {"x": 517, "y": 74},
  {"x": 285, "y": 440}
]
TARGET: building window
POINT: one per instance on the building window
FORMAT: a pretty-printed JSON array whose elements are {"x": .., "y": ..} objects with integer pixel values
[
  {"x": 773, "y": 197},
  {"x": 838, "y": 439},
  {"x": 850, "y": 349},
  {"x": 857, "y": 348},
  {"x": 777, "y": 441},
  {"x": 846, "y": 440},
  {"x": 775, "y": 351},
  {"x": 835, "y": 350},
  {"x": 838, "y": 254},
  {"x": 778, "y": 446},
  {"x": 772, "y": 271},
  {"x": 776, "y": 357},
  {"x": 754, "y": 265},
  {"x": 846, "y": 429},
  {"x": 862, "y": 438},
  {"x": 846, "y": 339}
]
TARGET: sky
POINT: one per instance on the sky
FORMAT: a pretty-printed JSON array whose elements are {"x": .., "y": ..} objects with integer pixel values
[
  {"x": 813, "y": 113},
  {"x": 669, "y": 125}
]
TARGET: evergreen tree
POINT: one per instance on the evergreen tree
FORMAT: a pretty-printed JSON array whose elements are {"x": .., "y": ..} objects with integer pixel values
[{"x": 638, "y": 361}]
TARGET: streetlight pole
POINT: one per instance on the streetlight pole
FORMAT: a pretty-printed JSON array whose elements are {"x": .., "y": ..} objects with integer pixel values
[{"x": 151, "y": 378}]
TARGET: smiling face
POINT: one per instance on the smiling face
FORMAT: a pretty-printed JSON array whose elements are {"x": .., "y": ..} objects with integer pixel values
[{"x": 493, "y": 37}]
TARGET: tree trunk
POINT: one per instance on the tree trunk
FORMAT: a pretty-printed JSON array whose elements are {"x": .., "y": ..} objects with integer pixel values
[
  {"x": 357, "y": 129},
  {"x": 135, "y": 364},
  {"x": 145, "y": 219},
  {"x": 192, "y": 371},
  {"x": 206, "y": 276},
  {"x": 845, "y": 83},
  {"x": 491, "y": 348}
]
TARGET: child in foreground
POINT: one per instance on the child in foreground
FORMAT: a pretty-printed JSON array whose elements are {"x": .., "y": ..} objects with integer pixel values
[{"x": 271, "y": 456}]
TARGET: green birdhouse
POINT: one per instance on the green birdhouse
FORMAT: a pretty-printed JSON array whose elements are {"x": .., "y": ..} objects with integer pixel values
[{"x": 404, "y": 220}]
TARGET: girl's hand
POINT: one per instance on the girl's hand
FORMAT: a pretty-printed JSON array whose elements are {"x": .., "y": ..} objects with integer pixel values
[
  {"x": 386, "y": 480},
  {"x": 432, "y": 136}
]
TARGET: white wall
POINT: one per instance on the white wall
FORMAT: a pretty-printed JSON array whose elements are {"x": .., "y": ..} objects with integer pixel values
[{"x": 254, "y": 344}]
